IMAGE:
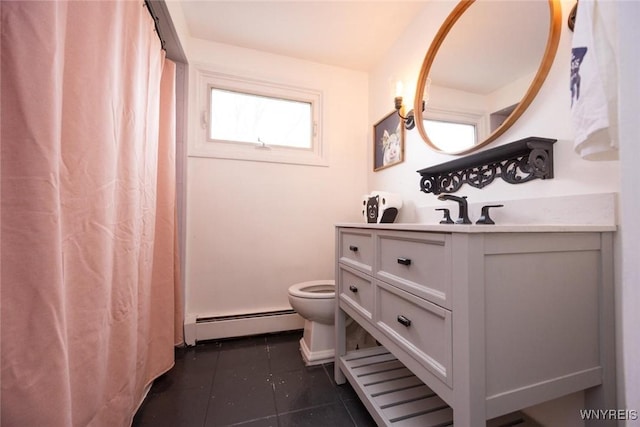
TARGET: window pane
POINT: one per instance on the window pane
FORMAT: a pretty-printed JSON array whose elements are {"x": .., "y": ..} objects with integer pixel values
[
  {"x": 457, "y": 136},
  {"x": 242, "y": 117}
]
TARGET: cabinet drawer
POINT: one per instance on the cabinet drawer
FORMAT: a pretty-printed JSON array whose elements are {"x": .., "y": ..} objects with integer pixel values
[
  {"x": 421, "y": 328},
  {"x": 356, "y": 249},
  {"x": 357, "y": 291},
  {"x": 419, "y": 263}
]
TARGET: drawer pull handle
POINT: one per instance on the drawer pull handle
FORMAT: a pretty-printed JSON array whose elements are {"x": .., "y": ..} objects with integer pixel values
[
  {"x": 404, "y": 261},
  {"x": 404, "y": 321},
  {"x": 353, "y": 288},
  {"x": 353, "y": 248}
]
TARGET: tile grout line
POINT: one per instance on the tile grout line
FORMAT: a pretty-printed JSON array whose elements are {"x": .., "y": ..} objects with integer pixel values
[
  {"x": 295, "y": 411},
  {"x": 273, "y": 382},
  {"x": 340, "y": 397},
  {"x": 213, "y": 378}
]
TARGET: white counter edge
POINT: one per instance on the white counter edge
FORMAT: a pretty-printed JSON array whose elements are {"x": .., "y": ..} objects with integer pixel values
[{"x": 473, "y": 228}]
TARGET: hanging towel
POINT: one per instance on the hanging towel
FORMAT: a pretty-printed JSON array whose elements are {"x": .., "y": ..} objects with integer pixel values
[{"x": 594, "y": 81}]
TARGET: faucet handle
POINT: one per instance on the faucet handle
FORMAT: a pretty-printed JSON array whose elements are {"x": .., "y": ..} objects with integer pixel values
[
  {"x": 484, "y": 215},
  {"x": 447, "y": 218}
]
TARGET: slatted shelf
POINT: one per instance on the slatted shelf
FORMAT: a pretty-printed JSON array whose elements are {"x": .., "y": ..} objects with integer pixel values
[{"x": 395, "y": 397}]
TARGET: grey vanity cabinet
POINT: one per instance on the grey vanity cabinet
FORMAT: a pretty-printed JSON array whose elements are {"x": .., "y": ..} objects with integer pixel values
[{"x": 474, "y": 323}]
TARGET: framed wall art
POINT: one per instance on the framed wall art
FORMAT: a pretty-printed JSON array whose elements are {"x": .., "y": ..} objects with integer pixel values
[{"x": 388, "y": 142}]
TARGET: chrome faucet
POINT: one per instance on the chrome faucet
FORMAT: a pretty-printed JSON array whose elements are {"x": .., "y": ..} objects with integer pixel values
[{"x": 463, "y": 211}]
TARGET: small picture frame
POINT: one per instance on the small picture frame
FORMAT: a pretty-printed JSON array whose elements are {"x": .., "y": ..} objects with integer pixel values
[{"x": 388, "y": 142}]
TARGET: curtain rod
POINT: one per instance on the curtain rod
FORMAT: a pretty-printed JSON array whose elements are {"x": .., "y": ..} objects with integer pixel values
[{"x": 147, "y": 3}]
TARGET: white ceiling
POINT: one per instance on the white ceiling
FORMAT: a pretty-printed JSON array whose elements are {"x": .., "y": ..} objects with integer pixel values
[
  {"x": 356, "y": 34},
  {"x": 352, "y": 34}
]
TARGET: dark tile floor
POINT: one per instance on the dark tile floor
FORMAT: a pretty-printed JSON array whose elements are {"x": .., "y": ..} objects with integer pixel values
[{"x": 251, "y": 382}]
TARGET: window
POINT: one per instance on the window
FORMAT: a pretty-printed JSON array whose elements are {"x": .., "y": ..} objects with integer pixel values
[
  {"x": 455, "y": 130},
  {"x": 458, "y": 136},
  {"x": 246, "y": 119}
]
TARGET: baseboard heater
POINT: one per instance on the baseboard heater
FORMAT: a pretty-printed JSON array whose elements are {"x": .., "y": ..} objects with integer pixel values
[{"x": 214, "y": 327}]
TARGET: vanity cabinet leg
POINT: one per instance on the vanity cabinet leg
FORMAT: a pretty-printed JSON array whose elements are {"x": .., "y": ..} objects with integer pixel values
[
  {"x": 603, "y": 397},
  {"x": 469, "y": 382},
  {"x": 340, "y": 345}
]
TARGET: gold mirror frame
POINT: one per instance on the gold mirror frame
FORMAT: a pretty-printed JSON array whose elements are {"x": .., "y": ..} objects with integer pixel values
[{"x": 555, "y": 27}]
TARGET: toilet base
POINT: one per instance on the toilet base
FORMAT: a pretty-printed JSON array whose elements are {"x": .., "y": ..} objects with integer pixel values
[
  {"x": 312, "y": 358},
  {"x": 317, "y": 343}
]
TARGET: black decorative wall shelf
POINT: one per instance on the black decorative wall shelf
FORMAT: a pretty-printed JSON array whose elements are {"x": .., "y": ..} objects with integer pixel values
[{"x": 517, "y": 162}]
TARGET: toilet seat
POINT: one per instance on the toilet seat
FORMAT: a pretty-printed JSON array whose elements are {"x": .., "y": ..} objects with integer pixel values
[{"x": 315, "y": 289}]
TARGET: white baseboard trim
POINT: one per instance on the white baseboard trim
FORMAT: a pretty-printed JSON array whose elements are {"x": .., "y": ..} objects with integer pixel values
[
  {"x": 190, "y": 329},
  {"x": 237, "y": 327}
]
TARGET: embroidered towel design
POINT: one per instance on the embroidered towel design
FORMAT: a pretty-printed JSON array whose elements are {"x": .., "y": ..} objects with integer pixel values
[{"x": 577, "y": 55}]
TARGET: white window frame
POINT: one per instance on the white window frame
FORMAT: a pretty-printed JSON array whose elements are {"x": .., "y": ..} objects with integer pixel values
[{"x": 205, "y": 147}]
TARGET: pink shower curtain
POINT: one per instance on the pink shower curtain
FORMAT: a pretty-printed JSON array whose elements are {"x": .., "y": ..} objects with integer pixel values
[{"x": 90, "y": 301}]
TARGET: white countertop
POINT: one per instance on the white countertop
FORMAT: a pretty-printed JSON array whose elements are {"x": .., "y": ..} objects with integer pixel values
[{"x": 473, "y": 228}]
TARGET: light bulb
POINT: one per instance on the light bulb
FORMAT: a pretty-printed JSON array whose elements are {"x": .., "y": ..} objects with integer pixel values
[{"x": 399, "y": 88}]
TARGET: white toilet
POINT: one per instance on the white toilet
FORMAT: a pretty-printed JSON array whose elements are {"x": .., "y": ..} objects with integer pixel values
[{"x": 315, "y": 302}]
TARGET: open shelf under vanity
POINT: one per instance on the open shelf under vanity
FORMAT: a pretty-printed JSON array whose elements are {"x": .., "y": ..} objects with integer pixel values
[{"x": 395, "y": 396}]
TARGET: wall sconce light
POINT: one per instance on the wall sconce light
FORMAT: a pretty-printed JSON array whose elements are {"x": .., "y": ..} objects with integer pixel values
[{"x": 409, "y": 119}]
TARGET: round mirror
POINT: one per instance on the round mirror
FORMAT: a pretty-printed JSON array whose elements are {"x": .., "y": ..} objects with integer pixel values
[{"x": 483, "y": 69}]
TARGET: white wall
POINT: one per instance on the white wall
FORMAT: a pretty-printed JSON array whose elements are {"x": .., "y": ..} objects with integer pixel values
[
  {"x": 547, "y": 116},
  {"x": 255, "y": 228}
]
